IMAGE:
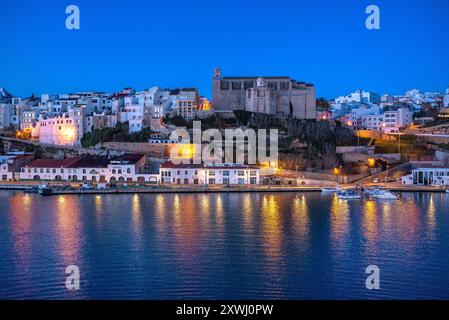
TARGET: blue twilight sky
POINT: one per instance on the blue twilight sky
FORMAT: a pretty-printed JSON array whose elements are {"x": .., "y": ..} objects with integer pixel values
[{"x": 178, "y": 43}]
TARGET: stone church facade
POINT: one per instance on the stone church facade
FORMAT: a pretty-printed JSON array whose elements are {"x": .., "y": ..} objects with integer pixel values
[{"x": 278, "y": 96}]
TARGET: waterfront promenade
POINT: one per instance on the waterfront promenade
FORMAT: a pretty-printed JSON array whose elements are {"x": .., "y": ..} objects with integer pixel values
[{"x": 57, "y": 189}]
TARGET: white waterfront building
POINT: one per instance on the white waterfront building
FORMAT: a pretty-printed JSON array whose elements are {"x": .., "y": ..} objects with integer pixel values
[
  {"x": 213, "y": 174},
  {"x": 125, "y": 169},
  {"x": 428, "y": 175}
]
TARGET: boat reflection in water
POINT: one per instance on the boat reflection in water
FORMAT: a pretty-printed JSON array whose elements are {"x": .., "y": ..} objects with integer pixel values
[{"x": 223, "y": 246}]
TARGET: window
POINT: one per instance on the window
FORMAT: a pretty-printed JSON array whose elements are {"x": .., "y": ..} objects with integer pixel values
[
  {"x": 236, "y": 85},
  {"x": 224, "y": 85},
  {"x": 248, "y": 85}
]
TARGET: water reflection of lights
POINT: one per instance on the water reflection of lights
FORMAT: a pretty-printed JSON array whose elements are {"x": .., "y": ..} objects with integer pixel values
[
  {"x": 248, "y": 212},
  {"x": 136, "y": 213},
  {"x": 161, "y": 210},
  {"x": 339, "y": 218},
  {"x": 431, "y": 211},
  {"x": 68, "y": 228},
  {"x": 370, "y": 221},
  {"x": 21, "y": 220},
  {"x": 271, "y": 226},
  {"x": 219, "y": 212},
  {"x": 301, "y": 215}
]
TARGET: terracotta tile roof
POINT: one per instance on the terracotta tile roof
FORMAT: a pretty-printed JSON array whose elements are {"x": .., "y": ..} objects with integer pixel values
[
  {"x": 84, "y": 161},
  {"x": 45, "y": 163}
]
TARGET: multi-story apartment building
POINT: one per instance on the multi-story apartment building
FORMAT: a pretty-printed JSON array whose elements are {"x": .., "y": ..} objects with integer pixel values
[
  {"x": 372, "y": 122},
  {"x": 396, "y": 119},
  {"x": 360, "y": 96},
  {"x": 133, "y": 112},
  {"x": 101, "y": 120},
  {"x": 28, "y": 120},
  {"x": 446, "y": 98},
  {"x": 59, "y": 130},
  {"x": 187, "y": 102},
  {"x": 354, "y": 117},
  {"x": 279, "y": 96},
  {"x": 6, "y": 112}
]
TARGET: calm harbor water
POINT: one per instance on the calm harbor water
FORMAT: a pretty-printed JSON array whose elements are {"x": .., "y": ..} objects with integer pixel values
[{"x": 223, "y": 246}]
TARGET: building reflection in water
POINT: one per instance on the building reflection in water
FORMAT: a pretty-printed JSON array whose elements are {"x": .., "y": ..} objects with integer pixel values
[
  {"x": 272, "y": 228},
  {"x": 99, "y": 209},
  {"x": 431, "y": 221},
  {"x": 68, "y": 228},
  {"x": 339, "y": 220},
  {"x": 137, "y": 222},
  {"x": 161, "y": 214},
  {"x": 21, "y": 223},
  {"x": 185, "y": 229},
  {"x": 205, "y": 213},
  {"x": 386, "y": 214},
  {"x": 300, "y": 215},
  {"x": 370, "y": 224},
  {"x": 219, "y": 214},
  {"x": 248, "y": 213}
]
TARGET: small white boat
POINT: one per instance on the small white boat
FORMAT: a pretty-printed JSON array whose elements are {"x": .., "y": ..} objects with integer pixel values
[
  {"x": 331, "y": 189},
  {"x": 383, "y": 194},
  {"x": 43, "y": 186},
  {"x": 348, "y": 195},
  {"x": 87, "y": 186}
]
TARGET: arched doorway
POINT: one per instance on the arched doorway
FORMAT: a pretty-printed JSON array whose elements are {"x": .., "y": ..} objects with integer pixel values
[{"x": 141, "y": 179}]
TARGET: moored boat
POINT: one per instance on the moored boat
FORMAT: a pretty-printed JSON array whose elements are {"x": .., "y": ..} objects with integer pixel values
[
  {"x": 348, "y": 195},
  {"x": 383, "y": 194},
  {"x": 331, "y": 189},
  {"x": 44, "y": 189}
]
